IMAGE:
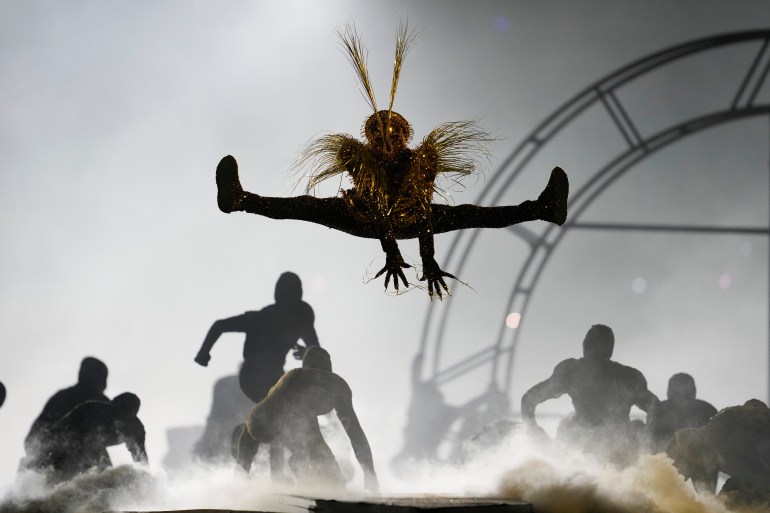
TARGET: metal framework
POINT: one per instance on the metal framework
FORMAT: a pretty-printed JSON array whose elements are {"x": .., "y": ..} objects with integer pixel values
[{"x": 745, "y": 103}]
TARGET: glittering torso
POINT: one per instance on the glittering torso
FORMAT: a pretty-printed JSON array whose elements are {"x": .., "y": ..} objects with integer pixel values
[{"x": 396, "y": 191}]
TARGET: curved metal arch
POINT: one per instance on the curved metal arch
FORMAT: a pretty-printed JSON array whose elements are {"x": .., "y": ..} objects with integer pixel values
[
  {"x": 603, "y": 179},
  {"x": 602, "y": 91}
]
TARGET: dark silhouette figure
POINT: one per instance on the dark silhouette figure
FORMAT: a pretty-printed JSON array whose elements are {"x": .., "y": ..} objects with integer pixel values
[
  {"x": 489, "y": 437},
  {"x": 2, "y": 393},
  {"x": 288, "y": 416},
  {"x": 680, "y": 410},
  {"x": 181, "y": 442},
  {"x": 92, "y": 381},
  {"x": 428, "y": 420},
  {"x": 602, "y": 393},
  {"x": 476, "y": 414},
  {"x": 736, "y": 441},
  {"x": 393, "y": 185},
  {"x": 229, "y": 408},
  {"x": 79, "y": 441},
  {"x": 270, "y": 334}
]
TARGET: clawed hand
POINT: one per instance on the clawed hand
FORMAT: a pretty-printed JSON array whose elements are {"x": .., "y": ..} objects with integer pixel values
[
  {"x": 433, "y": 274},
  {"x": 393, "y": 267}
]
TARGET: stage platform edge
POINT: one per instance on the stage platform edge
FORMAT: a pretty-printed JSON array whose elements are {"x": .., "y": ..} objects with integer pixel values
[{"x": 390, "y": 504}]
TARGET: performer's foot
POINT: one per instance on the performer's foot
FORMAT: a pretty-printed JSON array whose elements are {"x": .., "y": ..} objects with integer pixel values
[
  {"x": 229, "y": 190},
  {"x": 552, "y": 202}
]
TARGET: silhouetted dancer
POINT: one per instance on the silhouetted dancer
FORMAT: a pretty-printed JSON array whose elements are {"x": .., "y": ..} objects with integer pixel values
[
  {"x": 229, "y": 407},
  {"x": 602, "y": 393},
  {"x": 680, "y": 410},
  {"x": 736, "y": 441},
  {"x": 78, "y": 442},
  {"x": 393, "y": 185},
  {"x": 92, "y": 381},
  {"x": 288, "y": 416},
  {"x": 270, "y": 334},
  {"x": 476, "y": 414},
  {"x": 427, "y": 422},
  {"x": 489, "y": 437}
]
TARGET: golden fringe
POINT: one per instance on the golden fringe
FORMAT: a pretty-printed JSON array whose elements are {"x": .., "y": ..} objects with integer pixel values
[
  {"x": 461, "y": 149},
  {"x": 320, "y": 159}
]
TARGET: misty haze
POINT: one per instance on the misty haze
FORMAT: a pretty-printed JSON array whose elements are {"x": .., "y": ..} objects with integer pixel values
[{"x": 160, "y": 354}]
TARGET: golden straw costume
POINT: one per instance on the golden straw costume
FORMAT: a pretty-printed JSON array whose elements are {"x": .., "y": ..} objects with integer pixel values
[{"x": 393, "y": 185}]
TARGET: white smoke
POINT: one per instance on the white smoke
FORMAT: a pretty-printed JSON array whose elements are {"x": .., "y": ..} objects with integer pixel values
[
  {"x": 554, "y": 478},
  {"x": 557, "y": 479},
  {"x": 133, "y": 488}
]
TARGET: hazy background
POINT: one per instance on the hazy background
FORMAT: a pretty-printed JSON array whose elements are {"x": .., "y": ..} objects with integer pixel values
[{"x": 113, "y": 116}]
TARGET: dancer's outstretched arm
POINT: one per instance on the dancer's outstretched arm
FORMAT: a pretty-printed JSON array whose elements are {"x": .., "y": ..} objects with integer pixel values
[{"x": 394, "y": 262}]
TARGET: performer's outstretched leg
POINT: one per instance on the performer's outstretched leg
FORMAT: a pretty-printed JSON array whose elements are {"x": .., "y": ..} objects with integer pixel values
[
  {"x": 334, "y": 212},
  {"x": 330, "y": 212},
  {"x": 550, "y": 206}
]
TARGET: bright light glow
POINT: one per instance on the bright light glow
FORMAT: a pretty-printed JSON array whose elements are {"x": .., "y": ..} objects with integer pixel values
[
  {"x": 513, "y": 320},
  {"x": 639, "y": 285},
  {"x": 725, "y": 281}
]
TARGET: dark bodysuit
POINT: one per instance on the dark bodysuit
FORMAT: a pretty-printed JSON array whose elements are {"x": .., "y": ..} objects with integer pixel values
[{"x": 270, "y": 334}]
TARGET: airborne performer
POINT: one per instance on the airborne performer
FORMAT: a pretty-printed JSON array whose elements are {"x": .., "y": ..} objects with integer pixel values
[{"x": 393, "y": 185}]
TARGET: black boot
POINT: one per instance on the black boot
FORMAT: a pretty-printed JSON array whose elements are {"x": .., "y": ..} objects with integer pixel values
[
  {"x": 552, "y": 202},
  {"x": 229, "y": 190}
]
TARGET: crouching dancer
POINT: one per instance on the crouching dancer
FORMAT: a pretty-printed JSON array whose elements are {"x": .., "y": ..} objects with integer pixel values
[
  {"x": 288, "y": 416},
  {"x": 79, "y": 441},
  {"x": 736, "y": 441}
]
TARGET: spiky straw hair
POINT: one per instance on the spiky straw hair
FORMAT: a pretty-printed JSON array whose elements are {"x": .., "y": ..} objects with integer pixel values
[
  {"x": 460, "y": 146},
  {"x": 405, "y": 39},
  {"x": 356, "y": 54}
]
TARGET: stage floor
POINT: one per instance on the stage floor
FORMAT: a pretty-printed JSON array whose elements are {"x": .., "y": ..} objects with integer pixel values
[{"x": 391, "y": 504}]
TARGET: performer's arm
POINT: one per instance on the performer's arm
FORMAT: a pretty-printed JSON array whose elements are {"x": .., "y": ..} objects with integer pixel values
[
  {"x": 551, "y": 388},
  {"x": 359, "y": 164},
  {"x": 423, "y": 172},
  {"x": 431, "y": 272},
  {"x": 308, "y": 336},
  {"x": 134, "y": 435},
  {"x": 358, "y": 440},
  {"x": 232, "y": 324},
  {"x": 645, "y": 400},
  {"x": 245, "y": 448},
  {"x": 394, "y": 262}
]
